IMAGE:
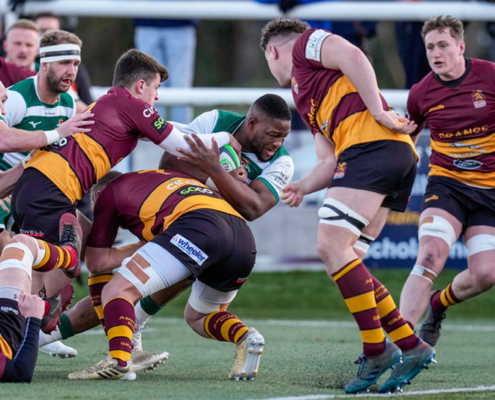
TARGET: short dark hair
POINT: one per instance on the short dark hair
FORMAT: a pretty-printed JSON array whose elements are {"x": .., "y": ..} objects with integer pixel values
[
  {"x": 54, "y": 37},
  {"x": 45, "y": 14},
  {"x": 281, "y": 27},
  {"x": 134, "y": 65},
  {"x": 24, "y": 24},
  {"x": 455, "y": 26},
  {"x": 102, "y": 184},
  {"x": 273, "y": 106}
]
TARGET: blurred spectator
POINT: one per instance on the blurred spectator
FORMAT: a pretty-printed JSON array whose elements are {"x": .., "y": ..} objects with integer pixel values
[
  {"x": 21, "y": 43},
  {"x": 172, "y": 42},
  {"x": 82, "y": 85}
]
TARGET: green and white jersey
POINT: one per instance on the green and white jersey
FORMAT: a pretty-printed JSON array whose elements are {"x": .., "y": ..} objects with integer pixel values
[
  {"x": 275, "y": 173},
  {"x": 24, "y": 110}
]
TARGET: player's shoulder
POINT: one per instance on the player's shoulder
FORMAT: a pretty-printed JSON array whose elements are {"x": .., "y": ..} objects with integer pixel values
[
  {"x": 25, "y": 89},
  {"x": 308, "y": 45},
  {"x": 417, "y": 90}
]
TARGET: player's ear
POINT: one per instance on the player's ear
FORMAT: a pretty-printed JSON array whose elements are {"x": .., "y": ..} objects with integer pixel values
[
  {"x": 140, "y": 84},
  {"x": 463, "y": 47},
  {"x": 274, "y": 52}
]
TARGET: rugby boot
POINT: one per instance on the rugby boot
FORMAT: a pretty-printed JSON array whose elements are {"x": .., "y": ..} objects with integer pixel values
[
  {"x": 430, "y": 330},
  {"x": 58, "y": 349},
  {"x": 247, "y": 356},
  {"x": 147, "y": 361},
  {"x": 58, "y": 304},
  {"x": 372, "y": 367},
  {"x": 70, "y": 234},
  {"x": 105, "y": 369},
  {"x": 413, "y": 362}
]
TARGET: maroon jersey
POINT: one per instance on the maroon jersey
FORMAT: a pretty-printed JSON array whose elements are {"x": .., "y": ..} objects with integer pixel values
[
  {"x": 461, "y": 117},
  {"x": 75, "y": 163},
  {"x": 328, "y": 102},
  {"x": 10, "y": 73},
  {"x": 147, "y": 202}
]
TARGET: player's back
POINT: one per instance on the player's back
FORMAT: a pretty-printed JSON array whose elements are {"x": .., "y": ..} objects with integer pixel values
[
  {"x": 147, "y": 202},
  {"x": 75, "y": 163}
]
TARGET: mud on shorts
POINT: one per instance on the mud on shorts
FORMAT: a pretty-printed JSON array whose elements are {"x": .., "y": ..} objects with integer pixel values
[
  {"x": 38, "y": 204},
  {"x": 12, "y": 323},
  {"x": 387, "y": 167},
  {"x": 470, "y": 205},
  {"x": 217, "y": 248}
]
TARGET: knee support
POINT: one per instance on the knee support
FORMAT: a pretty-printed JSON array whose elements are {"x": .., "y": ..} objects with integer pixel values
[
  {"x": 364, "y": 242},
  {"x": 479, "y": 243},
  {"x": 424, "y": 272},
  {"x": 335, "y": 213},
  {"x": 437, "y": 227},
  {"x": 17, "y": 255}
]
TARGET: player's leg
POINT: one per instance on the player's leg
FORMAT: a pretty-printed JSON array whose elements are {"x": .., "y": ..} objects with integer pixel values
[
  {"x": 345, "y": 213},
  {"x": 151, "y": 305},
  {"x": 18, "y": 335},
  {"x": 150, "y": 269},
  {"x": 438, "y": 231},
  {"x": 206, "y": 314}
]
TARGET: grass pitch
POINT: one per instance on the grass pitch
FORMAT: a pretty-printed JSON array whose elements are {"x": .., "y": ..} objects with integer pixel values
[{"x": 311, "y": 342}]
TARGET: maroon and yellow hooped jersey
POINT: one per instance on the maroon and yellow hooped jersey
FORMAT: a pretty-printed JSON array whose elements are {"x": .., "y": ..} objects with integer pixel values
[
  {"x": 147, "y": 202},
  {"x": 328, "y": 102},
  {"x": 77, "y": 162},
  {"x": 461, "y": 118}
]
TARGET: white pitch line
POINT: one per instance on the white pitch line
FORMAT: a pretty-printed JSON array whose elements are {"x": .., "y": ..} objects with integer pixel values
[{"x": 415, "y": 393}]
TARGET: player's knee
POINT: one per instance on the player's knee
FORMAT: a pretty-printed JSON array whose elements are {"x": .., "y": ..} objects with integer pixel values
[
  {"x": 335, "y": 213},
  {"x": 436, "y": 230},
  {"x": 26, "y": 240}
]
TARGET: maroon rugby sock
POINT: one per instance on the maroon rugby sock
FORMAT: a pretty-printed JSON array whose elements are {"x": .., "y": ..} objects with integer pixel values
[
  {"x": 119, "y": 320},
  {"x": 96, "y": 285}
]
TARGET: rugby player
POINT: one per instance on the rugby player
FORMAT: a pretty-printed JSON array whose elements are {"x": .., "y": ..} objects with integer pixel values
[
  {"x": 21, "y": 312},
  {"x": 457, "y": 101},
  {"x": 21, "y": 43},
  {"x": 269, "y": 168},
  {"x": 190, "y": 231},
  {"x": 368, "y": 162}
]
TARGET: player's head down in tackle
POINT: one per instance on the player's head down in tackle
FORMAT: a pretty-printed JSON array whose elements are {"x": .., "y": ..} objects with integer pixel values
[
  {"x": 268, "y": 124},
  {"x": 102, "y": 184},
  {"x": 60, "y": 56},
  {"x": 277, "y": 40},
  {"x": 140, "y": 74}
]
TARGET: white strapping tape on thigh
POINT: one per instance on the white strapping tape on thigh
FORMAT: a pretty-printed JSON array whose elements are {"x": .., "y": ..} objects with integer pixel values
[
  {"x": 325, "y": 213},
  {"x": 26, "y": 264},
  {"x": 424, "y": 272},
  {"x": 205, "y": 299},
  {"x": 364, "y": 242},
  {"x": 440, "y": 228},
  {"x": 479, "y": 243}
]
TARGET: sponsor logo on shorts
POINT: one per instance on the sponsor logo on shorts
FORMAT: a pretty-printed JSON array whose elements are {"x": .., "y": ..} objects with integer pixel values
[
  {"x": 434, "y": 197},
  {"x": 468, "y": 164},
  {"x": 33, "y": 233},
  {"x": 478, "y": 99},
  {"x": 340, "y": 170},
  {"x": 9, "y": 310},
  {"x": 189, "y": 248},
  {"x": 240, "y": 280},
  {"x": 159, "y": 124}
]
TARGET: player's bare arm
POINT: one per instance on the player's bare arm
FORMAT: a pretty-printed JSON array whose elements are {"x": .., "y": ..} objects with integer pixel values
[
  {"x": 338, "y": 54},
  {"x": 318, "y": 178},
  {"x": 8, "y": 180},
  {"x": 250, "y": 201},
  {"x": 100, "y": 260}
]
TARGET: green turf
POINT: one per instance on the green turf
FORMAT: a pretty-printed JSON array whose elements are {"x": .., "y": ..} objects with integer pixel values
[
  {"x": 311, "y": 295},
  {"x": 302, "y": 357}
]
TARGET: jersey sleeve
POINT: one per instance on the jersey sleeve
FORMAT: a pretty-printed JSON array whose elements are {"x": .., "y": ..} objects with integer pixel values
[
  {"x": 307, "y": 50},
  {"x": 204, "y": 123},
  {"x": 105, "y": 220},
  {"x": 277, "y": 175},
  {"x": 146, "y": 121},
  {"x": 413, "y": 112},
  {"x": 15, "y": 108}
]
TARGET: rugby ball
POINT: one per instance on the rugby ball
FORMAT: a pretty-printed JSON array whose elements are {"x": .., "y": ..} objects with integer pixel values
[{"x": 228, "y": 158}]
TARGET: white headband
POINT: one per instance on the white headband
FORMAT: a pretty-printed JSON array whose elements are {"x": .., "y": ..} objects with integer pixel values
[{"x": 60, "y": 52}]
